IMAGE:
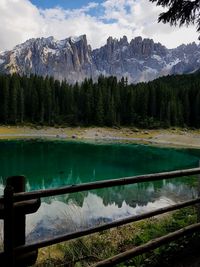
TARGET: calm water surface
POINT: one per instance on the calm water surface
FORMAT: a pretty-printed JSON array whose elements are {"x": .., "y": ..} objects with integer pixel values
[
  {"x": 48, "y": 164},
  {"x": 51, "y": 164}
]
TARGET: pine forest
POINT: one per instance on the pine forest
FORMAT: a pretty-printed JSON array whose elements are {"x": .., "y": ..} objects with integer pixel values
[{"x": 167, "y": 101}]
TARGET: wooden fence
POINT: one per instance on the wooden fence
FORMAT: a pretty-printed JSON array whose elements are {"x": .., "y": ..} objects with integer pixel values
[{"x": 16, "y": 203}]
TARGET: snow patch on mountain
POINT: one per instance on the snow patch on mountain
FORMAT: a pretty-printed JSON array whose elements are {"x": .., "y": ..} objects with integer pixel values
[
  {"x": 73, "y": 59},
  {"x": 76, "y": 39},
  {"x": 2, "y": 61}
]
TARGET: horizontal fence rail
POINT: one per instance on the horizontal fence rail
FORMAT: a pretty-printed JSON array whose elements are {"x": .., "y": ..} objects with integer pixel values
[
  {"x": 153, "y": 244},
  {"x": 104, "y": 184},
  {"x": 17, "y": 203},
  {"x": 130, "y": 219}
]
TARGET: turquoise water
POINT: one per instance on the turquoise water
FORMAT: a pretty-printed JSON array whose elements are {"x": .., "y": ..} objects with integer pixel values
[
  {"x": 51, "y": 164},
  {"x": 48, "y": 164}
]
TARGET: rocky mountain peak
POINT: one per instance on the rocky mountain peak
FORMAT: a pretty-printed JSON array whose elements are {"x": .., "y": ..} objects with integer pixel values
[
  {"x": 123, "y": 41},
  {"x": 68, "y": 58},
  {"x": 73, "y": 59}
]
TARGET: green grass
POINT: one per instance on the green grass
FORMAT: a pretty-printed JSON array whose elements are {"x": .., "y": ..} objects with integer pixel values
[{"x": 91, "y": 249}]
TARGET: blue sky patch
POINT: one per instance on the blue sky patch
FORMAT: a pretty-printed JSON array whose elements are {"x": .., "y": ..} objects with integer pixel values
[{"x": 66, "y": 4}]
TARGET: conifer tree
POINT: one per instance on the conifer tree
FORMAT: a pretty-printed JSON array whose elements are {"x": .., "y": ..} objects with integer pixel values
[
  {"x": 99, "y": 110},
  {"x": 5, "y": 99},
  {"x": 14, "y": 88},
  {"x": 21, "y": 104},
  {"x": 173, "y": 100},
  {"x": 180, "y": 12}
]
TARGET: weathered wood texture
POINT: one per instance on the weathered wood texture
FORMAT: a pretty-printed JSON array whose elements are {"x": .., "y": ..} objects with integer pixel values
[
  {"x": 104, "y": 184},
  {"x": 9, "y": 239},
  {"x": 153, "y": 244},
  {"x": 16, "y": 204},
  {"x": 130, "y": 219},
  {"x": 14, "y": 215}
]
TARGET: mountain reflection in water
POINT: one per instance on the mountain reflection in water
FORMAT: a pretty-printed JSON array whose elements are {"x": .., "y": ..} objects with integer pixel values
[{"x": 48, "y": 164}]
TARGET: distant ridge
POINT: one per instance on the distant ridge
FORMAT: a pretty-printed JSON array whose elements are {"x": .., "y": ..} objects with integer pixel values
[{"x": 73, "y": 59}]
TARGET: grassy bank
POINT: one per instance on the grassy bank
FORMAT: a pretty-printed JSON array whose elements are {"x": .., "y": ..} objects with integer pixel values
[
  {"x": 165, "y": 137},
  {"x": 88, "y": 250}
]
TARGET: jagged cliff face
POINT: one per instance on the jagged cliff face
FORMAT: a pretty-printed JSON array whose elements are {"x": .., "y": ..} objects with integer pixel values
[
  {"x": 72, "y": 59},
  {"x": 144, "y": 60},
  {"x": 66, "y": 59},
  {"x": 139, "y": 60}
]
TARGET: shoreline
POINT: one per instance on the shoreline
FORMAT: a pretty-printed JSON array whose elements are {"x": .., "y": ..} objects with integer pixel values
[{"x": 175, "y": 137}]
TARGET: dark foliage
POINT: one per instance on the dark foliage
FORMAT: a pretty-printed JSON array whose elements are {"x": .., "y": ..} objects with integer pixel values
[
  {"x": 167, "y": 101},
  {"x": 180, "y": 12}
]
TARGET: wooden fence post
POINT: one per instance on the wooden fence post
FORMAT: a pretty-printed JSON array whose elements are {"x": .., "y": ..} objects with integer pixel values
[
  {"x": 18, "y": 184},
  {"x": 198, "y": 193},
  {"x": 9, "y": 260},
  {"x": 15, "y": 223}
]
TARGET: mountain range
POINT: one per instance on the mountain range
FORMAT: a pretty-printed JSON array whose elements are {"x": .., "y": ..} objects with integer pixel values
[{"x": 72, "y": 59}]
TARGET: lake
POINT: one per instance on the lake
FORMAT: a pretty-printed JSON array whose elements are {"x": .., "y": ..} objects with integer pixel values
[{"x": 48, "y": 164}]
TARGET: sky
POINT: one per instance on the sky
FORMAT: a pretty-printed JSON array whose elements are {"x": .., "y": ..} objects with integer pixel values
[
  {"x": 98, "y": 19},
  {"x": 66, "y": 4}
]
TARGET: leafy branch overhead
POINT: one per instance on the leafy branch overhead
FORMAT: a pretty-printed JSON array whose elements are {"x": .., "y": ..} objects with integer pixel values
[{"x": 180, "y": 12}]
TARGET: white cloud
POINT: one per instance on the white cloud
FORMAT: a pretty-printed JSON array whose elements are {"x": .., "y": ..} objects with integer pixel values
[{"x": 20, "y": 20}]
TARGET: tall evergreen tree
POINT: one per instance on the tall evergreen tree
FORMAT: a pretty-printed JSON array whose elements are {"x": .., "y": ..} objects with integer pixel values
[
  {"x": 5, "y": 99},
  {"x": 14, "y": 89},
  {"x": 21, "y": 105},
  {"x": 180, "y": 12},
  {"x": 166, "y": 101}
]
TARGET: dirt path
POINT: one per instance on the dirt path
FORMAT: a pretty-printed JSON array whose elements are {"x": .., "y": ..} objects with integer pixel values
[{"x": 170, "y": 137}]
